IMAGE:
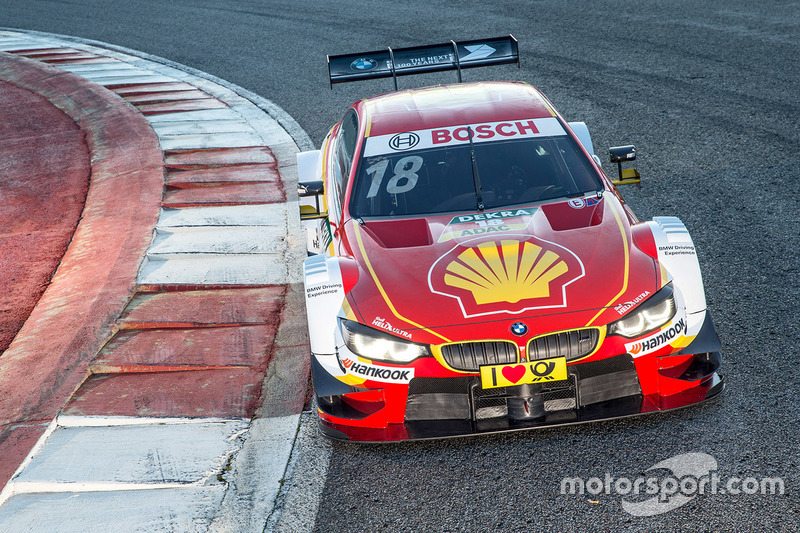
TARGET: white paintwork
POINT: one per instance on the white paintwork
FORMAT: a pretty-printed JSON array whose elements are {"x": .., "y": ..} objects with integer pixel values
[
  {"x": 200, "y": 116},
  {"x": 91, "y": 67},
  {"x": 239, "y": 215},
  {"x": 218, "y": 240},
  {"x": 677, "y": 254},
  {"x": 155, "y": 454},
  {"x": 199, "y": 269},
  {"x": 71, "y": 421},
  {"x": 324, "y": 293},
  {"x": 134, "y": 78},
  {"x": 309, "y": 165},
  {"x": 580, "y": 129},
  {"x": 186, "y": 509},
  {"x": 212, "y": 140},
  {"x": 193, "y": 127},
  {"x": 95, "y": 70}
]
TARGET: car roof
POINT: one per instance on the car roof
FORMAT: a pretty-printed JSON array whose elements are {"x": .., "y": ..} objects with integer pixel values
[{"x": 451, "y": 105}]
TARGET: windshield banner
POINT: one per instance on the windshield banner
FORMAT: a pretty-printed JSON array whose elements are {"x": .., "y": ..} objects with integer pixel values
[{"x": 454, "y": 135}]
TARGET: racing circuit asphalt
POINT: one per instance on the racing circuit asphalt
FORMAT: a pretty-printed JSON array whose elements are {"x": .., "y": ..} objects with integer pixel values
[{"x": 710, "y": 95}]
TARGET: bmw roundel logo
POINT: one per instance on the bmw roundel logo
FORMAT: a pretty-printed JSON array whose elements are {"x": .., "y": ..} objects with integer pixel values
[
  {"x": 363, "y": 63},
  {"x": 519, "y": 329}
]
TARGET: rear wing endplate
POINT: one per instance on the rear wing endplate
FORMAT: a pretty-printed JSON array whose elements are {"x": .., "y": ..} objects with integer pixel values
[{"x": 391, "y": 63}]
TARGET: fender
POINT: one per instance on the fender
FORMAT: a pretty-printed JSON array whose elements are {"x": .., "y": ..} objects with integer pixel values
[
  {"x": 676, "y": 253},
  {"x": 327, "y": 280}
]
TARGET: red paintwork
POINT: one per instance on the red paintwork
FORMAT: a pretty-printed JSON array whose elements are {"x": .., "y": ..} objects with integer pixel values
[
  {"x": 188, "y": 159},
  {"x": 225, "y": 392},
  {"x": 221, "y": 346},
  {"x": 50, "y": 355},
  {"x": 45, "y": 177},
  {"x": 137, "y": 88},
  {"x": 182, "y": 309},
  {"x": 224, "y": 194},
  {"x": 199, "y": 104},
  {"x": 163, "y": 96},
  {"x": 201, "y": 177}
]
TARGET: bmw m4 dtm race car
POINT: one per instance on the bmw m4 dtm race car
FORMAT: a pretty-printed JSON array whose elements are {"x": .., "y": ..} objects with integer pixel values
[{"x": 473, "y": 269}]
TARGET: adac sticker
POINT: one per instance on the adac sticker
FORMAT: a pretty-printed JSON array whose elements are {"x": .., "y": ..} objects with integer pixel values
[
  {"x": 473, "y": 225},
  {"x": 372, "y": 372},
  {"x": 510, "y": 273},
  {"x": 657, "y": 340}
]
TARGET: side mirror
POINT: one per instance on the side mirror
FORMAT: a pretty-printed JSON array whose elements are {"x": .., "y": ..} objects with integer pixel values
[
  {"x": 310, "y": 189},
  {"x": 629, "y": 176}
]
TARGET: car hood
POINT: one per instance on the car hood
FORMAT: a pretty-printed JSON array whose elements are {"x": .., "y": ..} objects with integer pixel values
[{"x": 563, "y": 265}]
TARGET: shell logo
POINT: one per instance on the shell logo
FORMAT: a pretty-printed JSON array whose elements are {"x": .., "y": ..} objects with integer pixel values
[
  {"x": 505, "y": 273},
  {"x": 508, "y": 275}
]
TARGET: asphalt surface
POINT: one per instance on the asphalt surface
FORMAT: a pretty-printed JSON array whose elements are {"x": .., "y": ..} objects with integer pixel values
[{"x": 709, "y": 94}]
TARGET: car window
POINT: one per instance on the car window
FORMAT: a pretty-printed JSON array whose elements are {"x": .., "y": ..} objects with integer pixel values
[
  {"x": 344, "y": 146},
  {"x": 439, "y": 179}
]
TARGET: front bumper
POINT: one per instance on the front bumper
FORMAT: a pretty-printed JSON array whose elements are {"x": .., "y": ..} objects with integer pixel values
[
  {"x": 450, "y": 407},
  {"x": 456, "y": 405}
]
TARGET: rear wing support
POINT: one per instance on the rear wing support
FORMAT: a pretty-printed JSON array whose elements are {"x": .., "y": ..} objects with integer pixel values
[{"x": 391, "y": 63}]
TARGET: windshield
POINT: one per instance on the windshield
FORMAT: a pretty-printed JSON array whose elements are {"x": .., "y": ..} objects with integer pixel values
[{"x": 529, "y": 164}]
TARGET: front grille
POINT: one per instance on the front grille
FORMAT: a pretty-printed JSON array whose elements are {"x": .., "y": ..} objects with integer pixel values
[
  {"x": 570, "y": 344},
  {"x": 470, "y": 356}
]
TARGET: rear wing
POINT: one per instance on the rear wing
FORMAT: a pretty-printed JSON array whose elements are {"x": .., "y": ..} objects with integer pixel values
[{"x": 391, "y": 63}]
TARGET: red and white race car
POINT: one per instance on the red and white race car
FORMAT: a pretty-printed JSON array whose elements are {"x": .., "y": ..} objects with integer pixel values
[{"x": 473, "y": 269}]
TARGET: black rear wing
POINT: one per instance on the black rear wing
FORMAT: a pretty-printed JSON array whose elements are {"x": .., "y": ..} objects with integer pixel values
[{"x": 391, "y": 63}]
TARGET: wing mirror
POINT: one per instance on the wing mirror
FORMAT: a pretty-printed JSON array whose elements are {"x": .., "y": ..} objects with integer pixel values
[
  {"x": 628, "y": 176},
  {"x": 308, "y": 189}
]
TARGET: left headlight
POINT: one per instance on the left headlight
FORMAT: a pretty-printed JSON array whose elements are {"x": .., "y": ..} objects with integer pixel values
[
  {"x": 377, "y": 345},
  {"x": 651, "y": 315}
]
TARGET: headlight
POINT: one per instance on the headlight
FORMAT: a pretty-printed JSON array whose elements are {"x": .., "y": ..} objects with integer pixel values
[
  {"x": 651, "y": 315},
  {"x": 374, "y": 344}
]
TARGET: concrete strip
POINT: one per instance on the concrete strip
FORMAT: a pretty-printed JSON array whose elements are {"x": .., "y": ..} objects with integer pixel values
[
  {"x": 157, "y": 454},
  {"x": 296, "y": 506},
  {"x": 257, "y": 473},
  {"x": 291, "y": 359}
]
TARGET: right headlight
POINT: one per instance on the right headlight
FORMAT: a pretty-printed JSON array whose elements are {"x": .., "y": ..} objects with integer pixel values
[
  {"x": 377, "y": 345},
  {"x": 649, "y": 316}
]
